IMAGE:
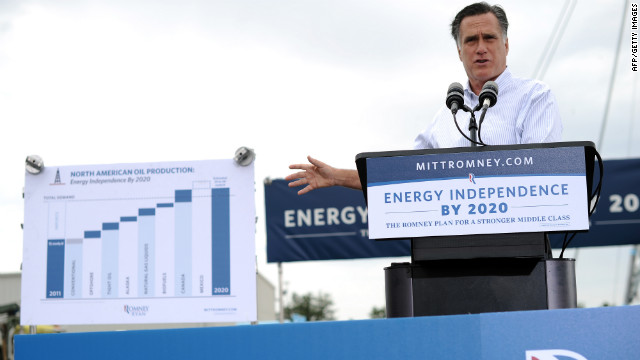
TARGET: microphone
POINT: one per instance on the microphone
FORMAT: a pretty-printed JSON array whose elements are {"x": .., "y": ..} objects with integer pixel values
[
  {"x": 455, "y": 102},
  {"x": 488, "y": 95},
  {"x": 455, "y": 97}
]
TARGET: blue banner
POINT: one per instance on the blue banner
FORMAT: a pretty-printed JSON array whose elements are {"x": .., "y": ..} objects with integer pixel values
[
  {"x": 325, "y": 224},
  {"x": 328, "y": 223},
  {"x": 617, "y": 217}
]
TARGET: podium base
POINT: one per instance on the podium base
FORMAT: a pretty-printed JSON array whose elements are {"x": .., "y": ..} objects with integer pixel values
[{"x": 470, "y": 286}]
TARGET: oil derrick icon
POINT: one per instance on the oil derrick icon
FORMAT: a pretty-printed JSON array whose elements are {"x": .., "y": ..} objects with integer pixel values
[{"x": 57, "y": 180}]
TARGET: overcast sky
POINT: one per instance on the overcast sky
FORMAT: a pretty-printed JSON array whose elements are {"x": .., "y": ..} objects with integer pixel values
[{"x": 101, "y": 82}]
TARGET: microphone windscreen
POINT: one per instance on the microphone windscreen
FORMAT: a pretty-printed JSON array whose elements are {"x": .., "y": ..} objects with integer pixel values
[
  {"x": 489, "y": 92},
  {"x": 491, "y": 85},
  {"x": 455, "y": 94},
  {"x": 455, "y": 87}
]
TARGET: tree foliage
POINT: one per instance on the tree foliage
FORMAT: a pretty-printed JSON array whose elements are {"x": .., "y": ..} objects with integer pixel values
[
  {"x": 313, "y": 307},
  {"x": 378, "y": 313}
]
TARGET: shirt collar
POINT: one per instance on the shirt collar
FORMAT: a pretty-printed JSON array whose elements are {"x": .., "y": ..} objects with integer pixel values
[{"x": 501, "y": 80}]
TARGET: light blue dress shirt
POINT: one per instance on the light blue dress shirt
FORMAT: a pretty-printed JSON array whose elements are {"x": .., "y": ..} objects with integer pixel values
[{"x": 526, "y": 112}]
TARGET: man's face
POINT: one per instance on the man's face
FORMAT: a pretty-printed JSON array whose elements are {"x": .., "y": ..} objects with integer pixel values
[{"x": 482, "y": 49}]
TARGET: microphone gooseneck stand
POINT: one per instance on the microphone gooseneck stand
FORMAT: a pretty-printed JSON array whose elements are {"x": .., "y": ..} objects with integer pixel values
[
  {"x": 484, "y": 111},
  {"x": 473, "y": 128}
]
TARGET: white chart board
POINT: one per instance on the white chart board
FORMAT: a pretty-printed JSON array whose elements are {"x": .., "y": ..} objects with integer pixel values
[{"x": 139, "y": 243}]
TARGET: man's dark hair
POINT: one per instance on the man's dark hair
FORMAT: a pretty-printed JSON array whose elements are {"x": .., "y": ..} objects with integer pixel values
[{"x": 479, "y": 9}]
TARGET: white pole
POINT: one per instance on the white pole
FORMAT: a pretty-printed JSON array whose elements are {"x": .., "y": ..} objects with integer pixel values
[{"x": 281, "y": 293}]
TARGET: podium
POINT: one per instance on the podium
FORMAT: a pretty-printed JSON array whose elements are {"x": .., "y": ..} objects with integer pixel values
[{"x": 478, "y": 219}]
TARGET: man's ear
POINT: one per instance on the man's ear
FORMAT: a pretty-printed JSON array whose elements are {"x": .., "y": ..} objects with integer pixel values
[{"x": 506, "y": 45}]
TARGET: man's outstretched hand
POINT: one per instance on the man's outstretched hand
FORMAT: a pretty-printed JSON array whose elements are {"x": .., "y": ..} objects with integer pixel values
[
  {"x": 317, "y": 174},
  {"x": 314, "y": 175}
]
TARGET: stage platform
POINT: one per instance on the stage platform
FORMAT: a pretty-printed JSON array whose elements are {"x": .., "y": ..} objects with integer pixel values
[{"x": 595, "y": 333}]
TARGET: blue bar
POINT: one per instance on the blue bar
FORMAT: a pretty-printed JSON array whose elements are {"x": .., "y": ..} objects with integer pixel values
[
  {"x": 147, "y": 212},
  {"x": 146, "y": 252},
  {"x": 165, "y": 205},
  {"x": 183, "y": 196},
  {"x": 183, "y": 238},
  {"x": 128, "y": 218},
  {"x": 110, "y": 237},
  {"x": 110, "y": 226},
  {"x": 92, "y": 234},
  {"x": 73, "y": 269},
  {"x": 597, "y": 333},
  {"x": 220, "y": 242},
  {"x": 55, "y": 268}
]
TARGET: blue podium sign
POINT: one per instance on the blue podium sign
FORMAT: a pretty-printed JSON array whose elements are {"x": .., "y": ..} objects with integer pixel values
[{"x": 489, "y": 192}]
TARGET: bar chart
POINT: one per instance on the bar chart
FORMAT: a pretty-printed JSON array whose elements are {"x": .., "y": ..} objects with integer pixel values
[
  {"x": 97, "y": 264},
  {"x": 157, "y": 236}
]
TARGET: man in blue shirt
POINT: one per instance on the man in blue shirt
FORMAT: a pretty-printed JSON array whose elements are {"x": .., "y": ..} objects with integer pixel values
[{"x": 526, "y": 112}]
